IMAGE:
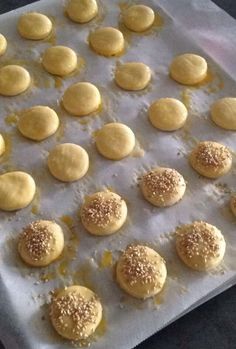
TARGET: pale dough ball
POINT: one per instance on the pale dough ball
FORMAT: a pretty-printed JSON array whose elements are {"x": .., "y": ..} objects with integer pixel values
[
  {"x": 81, "y": 99},
  {"x": 163, "y": 187},
  {"x": 133, "y": 76},
  {"x": 68, "y": 162},
  {"x": 75, "y": 312},
  {"x": 223, "y": 113},
  {"x": 17, "y": 190},
  {"x": 59, "y": 60},
  {"x": 41, "y": 243},
  {"x": 138, "y": 18},
  {"x": 167, "y": 114},
  {"x": 14, "y": 80},
  {"x": 3, "y": 44},
  {"x": 200, "y": 245},
  {"x": 82, "y": 11},
  {"x": 141, "y": 271},
  {"x": 211, "y": 159},
  {"x": 233, "y": 204},
  {"x": 188, "y": 69},
  {"x": 115, "y": 141},
  {"x": 103, "y": 213},
  {"x": 2, "y": 145},
  {"x": 107, "y": 41},
  {"x": 34, "y": 26},
  {"x": 38, "y": 123}
]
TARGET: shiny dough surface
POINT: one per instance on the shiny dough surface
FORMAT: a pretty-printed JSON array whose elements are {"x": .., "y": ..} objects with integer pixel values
[
  {"x": 34, "y": 26},
  {"x": 17, "y": 190},
  {"x": 82, "y": 11},
  {"x": 133, "y": 76},
  {"x": 68, "y": 162},
  {"x": 38, "y": 123},
  {"x": 115, "y": 141},
  {"x": 14, "y": 80}
]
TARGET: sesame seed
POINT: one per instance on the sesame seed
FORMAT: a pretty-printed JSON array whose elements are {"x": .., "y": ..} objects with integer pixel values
[
  {"x": 159, "y": 183},
  {"x": 198, "y": 239},
  {"x": 101, "y": 211},
  {"x": 36, "y": 239},
  {"x": 208, "y": 154},
  {"x": 137, "y": 267},
  {"x": 82, "y": 312}
]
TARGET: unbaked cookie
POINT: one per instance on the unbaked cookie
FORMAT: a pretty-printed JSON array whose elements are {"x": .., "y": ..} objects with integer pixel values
[
  {"x": 107, "y": 41},
  {"x": 211, "y": 159},
  {"x": 188, "y": 69},
  {"x": 167, "y": 114},
  {"x": 75, "y": 312},
  {"x": 103, "y": 213},
  {"x": 163, "y": 186},
  {"x": 81, "y": 99},
  {"x": 233, "y": 204},
  {"x": 138, "y": 18},
  {"x": 59, "y": 60},
  {"x": 200, "y": 245},
  {"x": 38, "y": 123},
  {"x": 82, "y": 11},
  {"x": 17, "y": 190},
  {"x": 223, "y": 113},
  {"x": 141, "y": 271},
  {"x": 40, "y": 243},
  {"x": 68, "y": 162},
  {"x": 115, "y": 141},
  {"x": 14, "y": 80},
  {"x": 133, "y": 76},
  {"x": 34, "y": 26},
  {"x": 2, "y": 145},
  {"x": 3, "y": 44}
]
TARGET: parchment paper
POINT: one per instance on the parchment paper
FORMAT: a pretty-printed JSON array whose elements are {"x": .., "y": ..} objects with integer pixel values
[{"x": 189, "y": 26}]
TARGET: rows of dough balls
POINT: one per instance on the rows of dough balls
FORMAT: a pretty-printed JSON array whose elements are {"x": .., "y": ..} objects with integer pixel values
[
  {"x": 140, "y": 271},
  {"x": 70, "y": 162},
  {"x": 162, "y": 187}
]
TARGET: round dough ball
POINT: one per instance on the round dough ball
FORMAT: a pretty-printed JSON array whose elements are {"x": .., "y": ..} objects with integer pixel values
[
  {"x": 14, "y": 80},
  {"x": 167, "y": 114},
  {"x": 2, "y": 145},
  {"x": 68, "y": 162},
  {"x": 34, "y": 26},
  {"x": 41, "y": 243},
  {"x": 107, "y": 41},
  {"x": 188, "y": 69},
  {"x": 17, "y": 190},
  {"x": 115, "y": 141},
  {"x": 133, "y": 76},
  {"x": 81, "y": 99},
  {"x": 233, "y": 204},
  {"x": 211, "y": 159},
  {"x": 38, "y": 123},
  {"x": 75, "y": 312},
  {"x": 103, "y": 213},
  {"x": 3, "y": 44},
  {"x": 139, "y": 18},
  {"x": 141, "y": 271},
  {"x": 163, "y": 187},
  {"x": 82, "y": 11},
  {"x": 223, "y": 113},
  {"x": 200, "y": 245},
  {"x": 59, "y": 60}
]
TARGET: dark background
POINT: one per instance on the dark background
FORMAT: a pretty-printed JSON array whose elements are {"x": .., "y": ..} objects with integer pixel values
[{"x": 212, "y": 325}]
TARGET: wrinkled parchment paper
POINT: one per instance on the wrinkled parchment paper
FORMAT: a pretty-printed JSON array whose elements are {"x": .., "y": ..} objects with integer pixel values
[{"x": 189, "y": 26}]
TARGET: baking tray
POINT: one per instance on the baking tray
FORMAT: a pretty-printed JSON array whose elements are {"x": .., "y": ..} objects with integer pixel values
[{"x": 25, "y": 291}]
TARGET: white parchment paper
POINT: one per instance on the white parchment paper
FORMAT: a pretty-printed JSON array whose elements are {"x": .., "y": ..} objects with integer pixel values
[{"x": 189, "y": 26}]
